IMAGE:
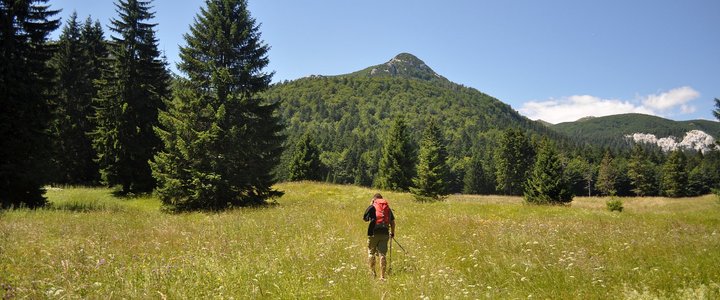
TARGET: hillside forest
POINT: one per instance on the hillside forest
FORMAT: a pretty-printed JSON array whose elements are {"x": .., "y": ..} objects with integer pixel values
[{"x": 102, "y": 108}]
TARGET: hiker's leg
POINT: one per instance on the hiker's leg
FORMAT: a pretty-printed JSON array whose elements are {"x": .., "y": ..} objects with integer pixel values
[
  {"x": 372, "y": 251},
  {"x": 383, "y": 267},
  {"x": 382, "y": 248}
]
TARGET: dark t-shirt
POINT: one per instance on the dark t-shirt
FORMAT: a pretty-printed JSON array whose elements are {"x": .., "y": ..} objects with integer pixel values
[{"x": 370, "y": 216}]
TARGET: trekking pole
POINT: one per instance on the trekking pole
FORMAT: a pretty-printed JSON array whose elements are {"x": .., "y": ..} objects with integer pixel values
[
  {"x": 390, "y": 259},
  {"x": 401, "y": 247}
]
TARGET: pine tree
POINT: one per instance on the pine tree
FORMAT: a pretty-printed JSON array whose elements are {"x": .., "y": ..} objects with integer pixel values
[
  {"x": 397, "y": 165},
  {"x": 675, "y": 177},
  {"x": 306, "y": 164},
  {"x": 607, "y": 176},
  {"x": 221, "y": 140},
  {"x": 548, "y": 183},
  {"x": 641, "y": 172},
  {"x": 25, "y": 84},
  {"x": 76, "y": 69},
  {"x": 132, "y": 90},
  {"x": 431, "y": 181},
  {"x": 514, "y": 159},
  {"x": 716, "y": 112}
]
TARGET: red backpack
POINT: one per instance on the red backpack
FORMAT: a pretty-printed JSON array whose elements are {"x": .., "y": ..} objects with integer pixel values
[{"x": 382, "y": 212}]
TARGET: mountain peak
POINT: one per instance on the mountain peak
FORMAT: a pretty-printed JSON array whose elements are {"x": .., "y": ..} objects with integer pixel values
[{"x": 403, "y": 65}]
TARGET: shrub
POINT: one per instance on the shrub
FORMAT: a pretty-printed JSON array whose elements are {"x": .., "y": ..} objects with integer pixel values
[{"x": 614, "y": 204}]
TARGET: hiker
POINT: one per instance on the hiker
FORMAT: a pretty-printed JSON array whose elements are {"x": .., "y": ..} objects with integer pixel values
[{"x": 380, "y": 230}]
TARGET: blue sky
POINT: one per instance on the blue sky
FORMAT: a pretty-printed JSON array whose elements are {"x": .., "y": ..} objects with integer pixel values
[{"x": 551, "y": 60}]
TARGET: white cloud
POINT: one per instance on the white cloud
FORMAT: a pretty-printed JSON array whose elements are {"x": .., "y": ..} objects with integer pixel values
[
  {"x": 670, "y": 99},
  {"x": 572, "y": 108}
]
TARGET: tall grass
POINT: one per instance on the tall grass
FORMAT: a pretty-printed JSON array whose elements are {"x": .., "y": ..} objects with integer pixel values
[{"x": 312, "y": 245}]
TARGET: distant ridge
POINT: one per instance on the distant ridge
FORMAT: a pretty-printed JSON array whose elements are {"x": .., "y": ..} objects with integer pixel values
[{"x": 613, "y": 130}]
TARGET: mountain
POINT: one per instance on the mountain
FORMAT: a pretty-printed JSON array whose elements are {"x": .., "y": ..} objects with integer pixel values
[
  {"x": 403, "y": 65},
  {"x": 348, "y": 115},
  {"x": 621, "y": 130}
]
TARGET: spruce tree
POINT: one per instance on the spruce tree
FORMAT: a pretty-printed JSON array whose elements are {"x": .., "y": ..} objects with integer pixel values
[
  {"x": 607, "y": 176},
  {"x": 674, "y": 175},
  {"x": 221, "y": 140},
  {"x": 306, "y": 164},
  {"x": 514, "y": 159},
  {"x": 641, "y": 172},
  {"x": 132, "y": 90},
  {"x": 716, "y": 112},
  {"x": 76, "y": 68},
  {"x": 25, "y": 86},
  {"x": 477, "y": 180},
  {"x": 548, "y": 183},
  {"x": 431, "y": 181},
  {"x": 397, "y": 165}
]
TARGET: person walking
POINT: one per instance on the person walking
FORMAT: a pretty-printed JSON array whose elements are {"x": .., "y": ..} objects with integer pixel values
[{"x": 380, "y": 229}]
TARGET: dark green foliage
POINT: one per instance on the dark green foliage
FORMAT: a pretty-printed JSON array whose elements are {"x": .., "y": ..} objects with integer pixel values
[
  {"x": 607, "y": 176},
  {"x": 306, "y": 164},
  {"x": 350, "y": 114},
  {"x": 132, "y": 90},
  {"x": 581, "y": 175},
  {"x": 221, "y": 141},
  {"x": 513, "y": 160},
  {"x": 548, "y": 183},
  {"x": 614, "y": 204},
  {"x": 431, "y": 181},
  {"x": 716, "y": 112},
  {"x": 674, "y": 175},
  {"x": 397, "y": 165},
  {"x": 641, "y": 172},
  {"x": 699, "y": 181},
  {"x": 25, "y": 86},
  {"x": 474, "y": 176},
  {"x": 610, "y": 131},
  {"x": 623, "y": 186},
  {"x": 77, "y": 63}
]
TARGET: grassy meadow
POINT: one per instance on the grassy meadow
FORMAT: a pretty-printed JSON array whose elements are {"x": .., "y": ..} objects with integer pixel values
[{"x": 311, "y": 244}]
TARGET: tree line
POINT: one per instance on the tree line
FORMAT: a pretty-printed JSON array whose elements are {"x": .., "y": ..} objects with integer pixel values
[
  {"x": 523, "y": 164},
  {"x": 88, "y": 110}
]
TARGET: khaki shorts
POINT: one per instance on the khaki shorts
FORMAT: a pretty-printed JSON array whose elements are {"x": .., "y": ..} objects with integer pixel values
[{"x": 378, "y": 243}]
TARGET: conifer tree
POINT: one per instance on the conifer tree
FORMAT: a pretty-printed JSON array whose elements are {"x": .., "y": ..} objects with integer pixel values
[
  {"x": 397, "y": 165},
  {"x": 306, "y": 164},
  {"x": 641, "y": 172},
  {"x": 132, "y": 90},
  {"x": 548, "y": 183},
  {"x": 221, "y": 140},
  {"x": 675, "y": 177},
  {"x": 75, "y": 62},
  {"x": 477, "y": 179},
  {"x": 431, "y": 181},
  {"x": 607, "y": 176},
  {"x": 716, "y": 112},
  {"x": 581, "y": 174},
  {"x": 514, "y": 159},
  {"x": 25, "y": 84}
]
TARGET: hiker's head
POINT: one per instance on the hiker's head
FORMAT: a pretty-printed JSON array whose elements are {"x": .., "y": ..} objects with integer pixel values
[{"x": 377, "y": 196}]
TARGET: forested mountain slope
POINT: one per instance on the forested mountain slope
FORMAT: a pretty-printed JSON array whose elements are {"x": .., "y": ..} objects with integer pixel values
[
  {"x": 348, "y": 115},
  {"x": 611, "y": 131}
]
